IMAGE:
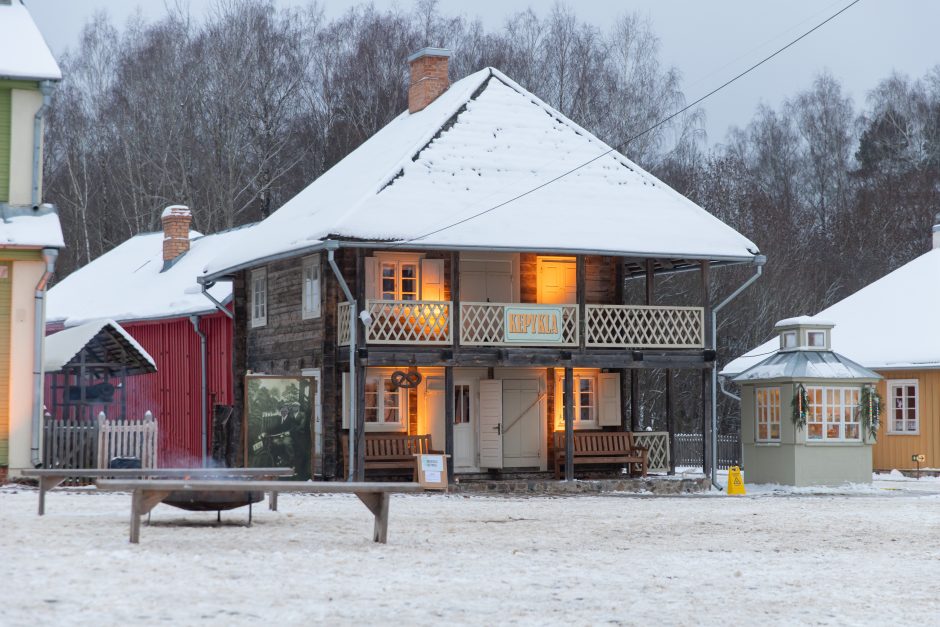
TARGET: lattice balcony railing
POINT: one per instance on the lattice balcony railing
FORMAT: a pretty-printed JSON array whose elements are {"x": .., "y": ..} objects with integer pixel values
[
  {"x": 342, "y": 323},
  {"x": 657, "y": 442},
  {"x": 425, "y": 322},
  {"x": 482, "y": 324},
  {"x": 637, "y": 326}
]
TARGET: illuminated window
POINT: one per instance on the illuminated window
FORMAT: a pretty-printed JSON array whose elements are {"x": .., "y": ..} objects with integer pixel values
[
  {"x": 399, "y": 280},
  {"x": 585, "y": 401},
  {"x": 832, "y": 414},
  {"x": 385, "y": 404},
  {"x": 902, "y": 411},
  {"x": 767, "y": 410}
]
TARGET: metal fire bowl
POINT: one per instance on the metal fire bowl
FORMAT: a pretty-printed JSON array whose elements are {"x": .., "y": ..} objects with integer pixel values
[{"x": 198, "y": 501}]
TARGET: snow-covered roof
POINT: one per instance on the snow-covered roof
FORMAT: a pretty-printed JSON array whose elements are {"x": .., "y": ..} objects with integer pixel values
[
  {"x": 483, "y": 143},
  {"x": 107, "y": 342},
  {"x": 806, "y": 365},
  {"x": 23, "y": 51},
  {"x": 889, "y": 324},
  {"x": 32, "y": 229},
  {"x": 129, "y": 283}
]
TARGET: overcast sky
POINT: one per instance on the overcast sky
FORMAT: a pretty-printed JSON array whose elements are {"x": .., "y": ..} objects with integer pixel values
[{"x": 709, "y": 41}]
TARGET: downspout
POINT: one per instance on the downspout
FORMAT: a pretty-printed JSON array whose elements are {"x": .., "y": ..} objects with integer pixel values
[
  {"x": 49, "y": 256},
  {"x": 759, "y": 260},
  {"x": 331, "y": 247},
  {"x": 46, "y": 87},
  {"x": 204, "y": 392},
  {"x": 732, "y": 395}
]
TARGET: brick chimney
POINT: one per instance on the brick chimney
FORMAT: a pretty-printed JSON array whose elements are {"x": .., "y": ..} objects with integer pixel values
[
  {"x": 176, "y": 220},
  {"x": 936, "y": 231},
  {"x": 428, "y": 77}
]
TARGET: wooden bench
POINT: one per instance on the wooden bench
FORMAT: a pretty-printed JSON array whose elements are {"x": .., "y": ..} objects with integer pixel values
[
  {"x": 49, "y": 478},
  {"x": 601, "y": 448},
  {"x": 391, "y": 452},
  {"x": 148, "y": 493}
]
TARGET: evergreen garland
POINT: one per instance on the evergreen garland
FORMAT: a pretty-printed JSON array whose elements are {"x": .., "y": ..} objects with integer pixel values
[
  {"x": 869, "y": 409},
  {"x": 800, "y": 403}
]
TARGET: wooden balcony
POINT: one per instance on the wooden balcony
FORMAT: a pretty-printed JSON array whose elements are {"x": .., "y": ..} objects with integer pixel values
[{"x": 430, "y": 323}]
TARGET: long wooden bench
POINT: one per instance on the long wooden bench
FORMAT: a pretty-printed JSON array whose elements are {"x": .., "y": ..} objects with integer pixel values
[
  {"x": 391, "y": 452},
  {"x": 147, "y": 494},
  {"x": 602, "y": 448},
  {"x": 49, "y": 478}
]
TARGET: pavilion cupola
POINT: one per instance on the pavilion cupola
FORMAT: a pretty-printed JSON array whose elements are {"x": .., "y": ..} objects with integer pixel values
[
  {"x": 176, "y": 221},
  {"x": 804, "y": 333},
  {"x": 428, "y": 77}
]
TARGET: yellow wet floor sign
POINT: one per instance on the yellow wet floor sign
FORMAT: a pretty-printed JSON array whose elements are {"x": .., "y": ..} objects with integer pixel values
[{"x": 735, "y": 481}]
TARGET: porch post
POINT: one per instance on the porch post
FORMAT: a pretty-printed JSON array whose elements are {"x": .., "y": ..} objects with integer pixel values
[
  {"x": 650, "y": 282},
  {"x": 360, "y": 331},
  {"x": 449, "y": 420},
  {"x": 670, "y": 424},
  {"x": 455, "y": 297},
  {"x": 569, "y": 423},
  {"x": 580, "y": 274},
  {"x": 634, "y": 399},
  {"x": 706, "y": 373}
]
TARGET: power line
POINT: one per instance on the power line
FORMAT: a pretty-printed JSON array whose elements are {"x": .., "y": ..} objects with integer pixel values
[{"x": 638, "y": 135}]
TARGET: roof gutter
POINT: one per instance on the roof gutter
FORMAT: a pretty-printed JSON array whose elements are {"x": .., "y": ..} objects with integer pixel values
[
  {"x": 759, "y": 261},
  {"x": 49, "y": 256},
  {"x": 46, "y": 87}
]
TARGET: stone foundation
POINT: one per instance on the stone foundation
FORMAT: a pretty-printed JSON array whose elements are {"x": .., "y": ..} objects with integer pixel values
[{"x": 549, "y": 487}]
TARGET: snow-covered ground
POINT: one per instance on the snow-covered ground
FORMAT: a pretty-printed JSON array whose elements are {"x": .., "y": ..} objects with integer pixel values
[{"x": 868, "y": 555}]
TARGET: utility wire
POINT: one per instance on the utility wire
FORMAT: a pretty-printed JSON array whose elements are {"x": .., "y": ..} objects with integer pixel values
[{"x": 638, "y": 135}]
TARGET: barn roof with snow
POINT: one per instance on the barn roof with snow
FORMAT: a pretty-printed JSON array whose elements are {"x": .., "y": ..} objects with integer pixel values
[
  {"x": 24, "y": 54},
  {"x": 429, "y": 179},
  {"x": 129, "y": 282},
  {"x": 889, "y": 324},
  {"x": 104, "y": 342}
]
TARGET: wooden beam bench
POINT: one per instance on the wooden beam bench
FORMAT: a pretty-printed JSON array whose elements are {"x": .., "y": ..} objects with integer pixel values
[
  {"x": 50, "y": 478},
  {"x": 147, "y": 494},
  {"x": 602, "y": 448},
  {"x": 391, "y": 452}
]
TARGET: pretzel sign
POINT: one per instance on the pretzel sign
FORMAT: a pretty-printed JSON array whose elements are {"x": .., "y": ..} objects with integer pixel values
[{"x": 402, "y": 379}]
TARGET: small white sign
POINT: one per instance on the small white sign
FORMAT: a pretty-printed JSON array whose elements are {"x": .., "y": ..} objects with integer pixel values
[
  {"x": 432, "y": 463},
  {"x": 432, "y": 476}
]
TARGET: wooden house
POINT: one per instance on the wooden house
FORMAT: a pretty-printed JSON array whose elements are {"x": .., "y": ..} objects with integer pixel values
[
  {"x": 148, "y": 285},
  {"x": 473, "y": 279},
  {"x": 30, "y": 234},
  {"x": 890, "y": 327}
]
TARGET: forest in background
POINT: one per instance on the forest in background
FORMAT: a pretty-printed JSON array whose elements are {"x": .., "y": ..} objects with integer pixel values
[{"x": 235, "y": 113}]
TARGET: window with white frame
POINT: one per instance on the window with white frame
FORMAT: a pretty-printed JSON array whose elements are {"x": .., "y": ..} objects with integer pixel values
[
  {"x": 259, "y": 297},
  {"x": 832, "y": 414},
  {"x": 310, "y": 303},
  {"x": 902, "y": 400},
  {"x": 767, "y": 411},
  {"x": 585, "y": 401},
  {"x": 386, "y": 406},
  {"x": 788, "y": 339},
  {"x": 816, "y": 339},
  {"x": 399, "y": 279},
  {"x": 461, "y": 404}
]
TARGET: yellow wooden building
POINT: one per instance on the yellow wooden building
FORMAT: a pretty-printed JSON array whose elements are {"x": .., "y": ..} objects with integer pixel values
[
  {"x": 30, "y": 235},
  {"x": 891, "y": 326}
]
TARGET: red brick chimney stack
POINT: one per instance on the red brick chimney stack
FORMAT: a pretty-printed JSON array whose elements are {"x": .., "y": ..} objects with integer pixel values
[
  {"x": 428, "y": 77},
  {"x": 176, "y": 221}
]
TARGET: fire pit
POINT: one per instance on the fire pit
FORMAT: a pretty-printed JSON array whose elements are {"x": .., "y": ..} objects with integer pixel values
[{"x": 198, "y": 501}]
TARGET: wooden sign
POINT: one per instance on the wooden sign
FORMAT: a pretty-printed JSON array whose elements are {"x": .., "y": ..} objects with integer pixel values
[
  {"x": 919, "y": 458},
  {"x": 532, "y": 324},
  {"x": 432, "y": 472}
]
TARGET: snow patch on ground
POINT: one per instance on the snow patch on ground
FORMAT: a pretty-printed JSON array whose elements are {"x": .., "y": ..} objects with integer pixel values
[{"x": 614, "y": 559}]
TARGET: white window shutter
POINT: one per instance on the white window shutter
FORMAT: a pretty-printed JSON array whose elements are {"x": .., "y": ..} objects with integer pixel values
[
  {"x": 345, "y": 392},
  {"x": 372, "y": 277},
  {"x": 491, "y": 423},
  {"x": 608, "y": 399},
  {"x": 432, "y": 279}
]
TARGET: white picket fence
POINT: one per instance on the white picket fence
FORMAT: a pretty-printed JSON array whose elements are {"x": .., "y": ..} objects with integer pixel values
[{"x": 127, "y": 438}]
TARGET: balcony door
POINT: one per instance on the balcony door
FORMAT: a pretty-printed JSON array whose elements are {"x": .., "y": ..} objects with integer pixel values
[
  {"x": 486, "y": 280},
  {"x": 557, "y": 280}
]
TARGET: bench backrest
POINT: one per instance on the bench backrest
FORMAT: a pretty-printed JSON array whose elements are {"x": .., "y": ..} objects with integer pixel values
[
  {"x": 596, "y": 442},
  {"x": 384, "y": 446}
]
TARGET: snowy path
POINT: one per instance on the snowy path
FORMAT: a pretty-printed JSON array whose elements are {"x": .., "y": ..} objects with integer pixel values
[{"x": 826, "y": 559}]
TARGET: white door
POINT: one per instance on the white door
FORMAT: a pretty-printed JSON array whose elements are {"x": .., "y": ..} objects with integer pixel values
[
  {"x": 486, "y": 281},
  {"x": 558, "y": 281},
  {"x": 491, "y": 418},
  {"x": 465, "y": 425},
  {"x": 523, "y": 416}
]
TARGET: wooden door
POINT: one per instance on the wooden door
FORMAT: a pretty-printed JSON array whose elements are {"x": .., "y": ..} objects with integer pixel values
[
  {"x": 557, "y": 281},
  {"x": 523, "y": 416},
  {"x": 434, "y": 410},
  {"x": 486, "y": 281},
  {"x": 491, "y": 419}
]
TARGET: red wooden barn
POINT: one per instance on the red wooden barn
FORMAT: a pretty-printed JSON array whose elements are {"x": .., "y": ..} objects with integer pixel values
[{"x": 148, "y": 285}]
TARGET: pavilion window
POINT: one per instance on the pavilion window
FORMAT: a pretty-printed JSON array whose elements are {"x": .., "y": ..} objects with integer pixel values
[
  {"x": 832, "y": 414},
  {"x": 767, "y": 410}
]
